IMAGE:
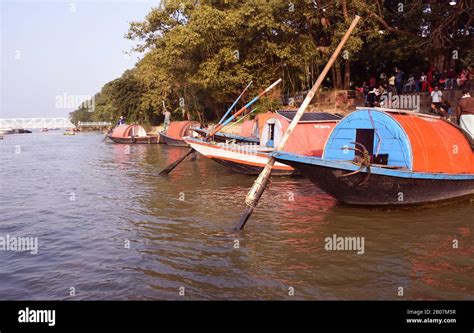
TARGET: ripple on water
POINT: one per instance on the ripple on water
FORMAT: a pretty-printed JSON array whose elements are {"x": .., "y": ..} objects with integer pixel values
[{"x": 109, "y": 227}]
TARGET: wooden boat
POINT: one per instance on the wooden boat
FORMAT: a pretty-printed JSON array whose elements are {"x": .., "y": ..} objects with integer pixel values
[
  {"x": 69, "y": 132},
  {"x": 308, "y": 139},
  {"x": 176, "y": 131},
  {"x": 131, "y": 134},
  {"x": 20, "y": 131},
  {"x": 384, "y": 157},
  {"x": 5, "y": 131},
  {"x": 224, "y": 137}
]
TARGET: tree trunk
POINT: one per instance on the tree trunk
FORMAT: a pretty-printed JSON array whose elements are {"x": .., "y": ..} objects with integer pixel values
[
  {"x": 347, "y": 75},
  {"x": 337, "y": 67}
]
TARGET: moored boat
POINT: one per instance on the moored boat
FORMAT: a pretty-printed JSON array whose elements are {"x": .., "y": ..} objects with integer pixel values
[
  {"x": 308, "y": 139},
  {"x": 224, "y": 137},
  {"x": 176, "y": 131},
  {"x": 131, "y": 134},
  {"x": 383, "y": 157}
]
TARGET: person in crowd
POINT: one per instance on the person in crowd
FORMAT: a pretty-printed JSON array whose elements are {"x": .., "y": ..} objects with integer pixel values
[
  {"x": 372, "y": 82},
  {"x": 450, "y": 79},
  {"x": 399, "y": 80},
  {"x": 436, "y": 97},
  {"x": 410, "y": 84},
  {"x": 424, "y": 82},
  {"x": 462, "y": 78},
  {"x": 433, "y": 109},
  {"x": 167, "y": 120},
  {"x": 465, "y": 112},
  {"x": 446, "y": 109},
  {"x": 391, "y": 84},
  {"x": 365, "y": 90},
  {"x": 121, "y": 121},
  {"x": 371, "y": 97},
  {"x": 417, "y": 82},
  {"x": 378, "y": 95},
  {"x": 436, "y": 78}
]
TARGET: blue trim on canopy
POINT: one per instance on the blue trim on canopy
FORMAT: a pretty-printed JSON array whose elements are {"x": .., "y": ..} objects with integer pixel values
[{"x": 394, "y": 140}]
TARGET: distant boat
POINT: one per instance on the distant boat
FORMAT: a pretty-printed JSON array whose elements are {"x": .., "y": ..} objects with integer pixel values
[
  {"x": 131, "y": 134},
  {"x": 308, "y": 138},
  {"x": 4, "y": 131},
  {"x": 176, "y": 131},
  {"x": 21, "y": 131},
  {"x": 44, "y": 130},
  {"x": 384, "y": 157},
  {"x": 69, "y": 131}
]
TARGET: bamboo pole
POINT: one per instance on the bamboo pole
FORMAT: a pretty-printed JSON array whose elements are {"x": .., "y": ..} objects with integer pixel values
[
  {"x": 253, "y": 196},
  {"x": 173, "y": 165},
  {"x": 233, "y": 104}
]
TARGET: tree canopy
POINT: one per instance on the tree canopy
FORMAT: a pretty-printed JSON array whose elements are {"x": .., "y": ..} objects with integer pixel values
[{"x": 198, "y": 55}]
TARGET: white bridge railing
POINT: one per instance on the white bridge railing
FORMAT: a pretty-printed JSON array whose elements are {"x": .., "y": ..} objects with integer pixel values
[{"x": 14, "y": 123}]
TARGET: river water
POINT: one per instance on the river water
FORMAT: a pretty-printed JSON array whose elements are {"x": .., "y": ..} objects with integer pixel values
[{"x": 109, "y": 228}]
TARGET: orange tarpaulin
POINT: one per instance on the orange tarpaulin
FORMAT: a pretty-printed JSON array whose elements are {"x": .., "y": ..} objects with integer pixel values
[
  {"x": 247, "y": 128},
  {"x": 125, "y": 131},
  {"x": 179, "y": 129},
  {"x": 437, "y": 146},
  {"x": 307, "y": 138}
]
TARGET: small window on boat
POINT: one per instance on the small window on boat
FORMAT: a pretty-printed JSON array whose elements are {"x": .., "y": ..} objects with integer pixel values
[
  {"x": 271, "y": 135},
  {"x": 365, "y": 137}
]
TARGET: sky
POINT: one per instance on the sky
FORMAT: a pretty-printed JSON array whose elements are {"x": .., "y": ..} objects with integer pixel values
[{"x": 54, "y": 54}]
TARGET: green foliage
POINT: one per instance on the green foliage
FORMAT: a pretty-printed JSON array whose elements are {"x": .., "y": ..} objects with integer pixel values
[{"x": 199, "y": 55}]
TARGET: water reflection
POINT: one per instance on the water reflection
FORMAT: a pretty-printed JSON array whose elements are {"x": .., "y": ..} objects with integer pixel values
[{"x": 180, "y": 230}]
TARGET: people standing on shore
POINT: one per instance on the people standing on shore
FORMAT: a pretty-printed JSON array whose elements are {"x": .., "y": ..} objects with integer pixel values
[
  {"x": 391, "y": 85},
  {"x": 436, "y": 97},
  {"x": 462, "y": 78},
  {"x": 410, "y": 85},
  {"x": 167, "y": 120},
  {"x": 121, "y": 121},
  {"x": 399, "y": 80},
  {"x": 465, "y": 112},
  {"x": 424, "y": 82},
  {"x": 450, "y": 79}
]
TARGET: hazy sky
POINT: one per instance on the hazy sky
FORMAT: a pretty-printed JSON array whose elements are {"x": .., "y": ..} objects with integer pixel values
[{"x": 55, "y": 52}]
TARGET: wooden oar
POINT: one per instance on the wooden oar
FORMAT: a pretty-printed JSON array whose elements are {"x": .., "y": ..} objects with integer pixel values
[
  {"x": 253, "y": 196},
  {"x": 173, "y": 165}
]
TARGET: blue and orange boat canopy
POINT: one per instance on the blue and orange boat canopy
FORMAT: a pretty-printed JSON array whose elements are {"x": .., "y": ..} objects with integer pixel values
[{"x": 412, "y": 141}]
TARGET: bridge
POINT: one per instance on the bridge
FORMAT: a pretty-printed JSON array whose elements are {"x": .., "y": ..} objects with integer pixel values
[{"x": 14, "y": 123}]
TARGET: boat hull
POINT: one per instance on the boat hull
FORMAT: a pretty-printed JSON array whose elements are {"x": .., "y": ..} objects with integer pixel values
[
  {"x": 172, "y": 141},
  {"x": 135, "y": 140},
  {"x": 383, "y": 190},
  {"x": 246, "y": 162}
]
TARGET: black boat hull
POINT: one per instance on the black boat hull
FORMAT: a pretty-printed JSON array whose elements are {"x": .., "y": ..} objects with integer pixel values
[
  {"x": 252, "y": 169},
  {"x": 136, "y": 140},
  {"x": 383, "y": 190},
  {"x": 173, "y": 142}
]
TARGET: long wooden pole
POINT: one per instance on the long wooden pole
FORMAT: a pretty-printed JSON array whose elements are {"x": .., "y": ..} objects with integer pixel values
[
  {"x": 233, "y": 104},
  {"x": 173, "y": 165},
  {"x": 245, "y": 107},
  {"x": 253, "y": 196}
]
